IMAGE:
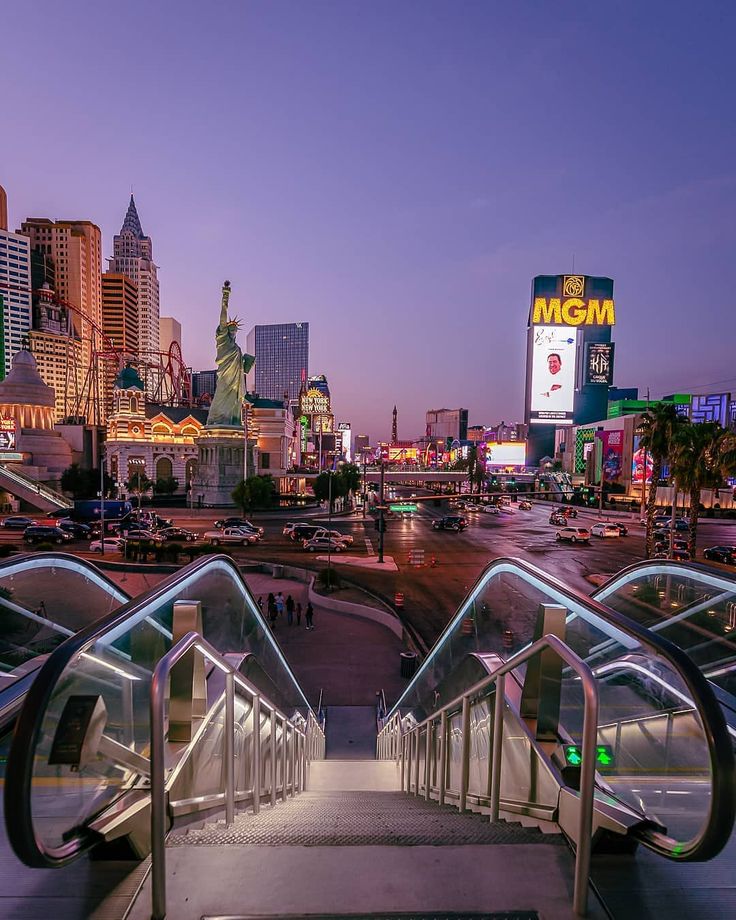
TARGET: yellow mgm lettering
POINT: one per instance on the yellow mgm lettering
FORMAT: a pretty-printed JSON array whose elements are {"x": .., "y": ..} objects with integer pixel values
[{"x": 573, "y": 312}]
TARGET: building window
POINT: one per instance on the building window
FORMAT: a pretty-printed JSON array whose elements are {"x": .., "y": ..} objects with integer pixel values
[{"x": 265, "y": 461}]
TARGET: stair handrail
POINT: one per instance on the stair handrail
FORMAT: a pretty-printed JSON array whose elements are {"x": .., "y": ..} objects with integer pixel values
[
  {"x": 194, "y": 641},
  {"x": 588, "y": 748}
]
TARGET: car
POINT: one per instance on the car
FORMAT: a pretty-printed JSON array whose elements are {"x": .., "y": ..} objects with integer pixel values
[
  {"x": 291, "y": 525},
  {"x": 558, "y": 519},
  {"x": 569, "y": 511},
  {"x": 229, "y": 535},
  {"x": 177, "y": 535},
  {"x": 18, "y": 522},
  {"x": 112, "y": 545},
  {"x": 46, "y": 533},
  {"x": 59, "y": 513},
  {"x": 525, "y": 505},
  {"x": 573, "y": 535},
  {"x": 144, "y": 538},
  {"x": 489, "y": 509},
  {"x": 150, "y": 519},
  {"x": 622, "y": 528},
  {"x": 252, "y": 535},
  {"x": 78, "y": 531},
  {"x": 236, "y": 522},
  {"x": 453, "y": 522},
  {"x": 473, "y": 507},
  {"x": 604, "y": 529},
  {"x": 345, "y": 538},
  {"x": 304, "y": 532},
  {"x": 678, "y": 555},
  {"x": 726, "y": 554},
  {"x": 317, "y": 544}
]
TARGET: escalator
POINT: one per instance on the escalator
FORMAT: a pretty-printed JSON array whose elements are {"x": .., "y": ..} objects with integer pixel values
[
  {"x": 663, "y": 780},
  {"x": 35, "y": 494}
]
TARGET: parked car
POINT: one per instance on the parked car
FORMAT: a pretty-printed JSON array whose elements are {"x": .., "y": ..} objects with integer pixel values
[
  {"x": 558, "y": 519},
  {"x": 229, "y": 535},
  {"x": 345, "y": 538},
  {"x": 725, "y": 554},
  {"x": 453, "y": 522},
  {"x": 574, "y": 534},
  {"x": 78, "y": 531},
  {"x": 46, "y": 533},
  {"x": 112, "y": 545},
  {"x": 603, "y": 529},
  {"x": 525, "y": 505},
  {"x": 322, "y": 544},
  {"x": 236, "y": 522},
  {"x": 18, "y": 522},
  {"x": 177, "y": 535}
]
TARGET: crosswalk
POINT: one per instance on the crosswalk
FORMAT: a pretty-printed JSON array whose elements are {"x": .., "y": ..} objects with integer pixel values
[{"x": 368, "y": 546}]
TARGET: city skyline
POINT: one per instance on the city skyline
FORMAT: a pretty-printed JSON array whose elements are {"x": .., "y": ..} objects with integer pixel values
[{"x": 486, "y": 149}]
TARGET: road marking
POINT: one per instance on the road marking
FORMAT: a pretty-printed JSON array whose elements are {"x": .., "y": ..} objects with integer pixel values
[{"x": 369, "y": 546}]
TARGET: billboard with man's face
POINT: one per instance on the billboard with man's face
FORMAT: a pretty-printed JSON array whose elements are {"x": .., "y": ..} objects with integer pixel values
[{"x": 554, "y": 354}]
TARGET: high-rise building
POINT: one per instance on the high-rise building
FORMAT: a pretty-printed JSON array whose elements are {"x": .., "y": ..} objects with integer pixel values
[
  {"x": 55, "y": 345},
  {"x": 204, "y": 383},
  {"x": 120, "y": 311},
  {"x": 74, "y": 248},
  {"x": 3, "y": 209},
  {"x": 15, "y": 296},
  {"x": 169, "y": 332},
  {"x": 447, "y": 423},
  {"x": 133, "y": 256},
  {"x": 281, "y": 351}
]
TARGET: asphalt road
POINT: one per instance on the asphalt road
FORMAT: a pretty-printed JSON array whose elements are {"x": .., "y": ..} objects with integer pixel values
[{"x": 433, "y": 594}]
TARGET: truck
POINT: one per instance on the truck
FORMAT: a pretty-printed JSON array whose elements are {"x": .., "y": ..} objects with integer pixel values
[{"x": 89, "y": 511}]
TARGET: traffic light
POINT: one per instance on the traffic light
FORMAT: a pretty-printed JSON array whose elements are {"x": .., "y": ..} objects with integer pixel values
[{"x": 380, "y": 525}]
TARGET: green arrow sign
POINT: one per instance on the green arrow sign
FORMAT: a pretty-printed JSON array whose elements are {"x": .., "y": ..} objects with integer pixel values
[{"x": 603, "y": 755}]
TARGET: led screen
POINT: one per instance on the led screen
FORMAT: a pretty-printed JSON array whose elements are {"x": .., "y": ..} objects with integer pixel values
[
  {"x": 553, "y": 374},
  {"x": 506, "y": 453}
]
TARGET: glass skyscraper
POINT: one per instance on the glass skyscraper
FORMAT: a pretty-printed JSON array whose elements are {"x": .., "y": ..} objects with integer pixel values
[{"x": 282, "y": 355}]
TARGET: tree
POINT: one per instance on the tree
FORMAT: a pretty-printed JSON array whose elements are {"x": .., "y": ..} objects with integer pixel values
[
  {"x": 139, "y": 484},
  {"x": 702, "y": 456},
  {"x": 82, "y": 483},
  {"x": 329, "y": 486},
  {"x": 254, "y": 492},
  {"x": 476, "y": 471},
  {"x": 350, "y": 475},
  {"x": 166, "y": 485},
  {"x": 660, "y": 425}
]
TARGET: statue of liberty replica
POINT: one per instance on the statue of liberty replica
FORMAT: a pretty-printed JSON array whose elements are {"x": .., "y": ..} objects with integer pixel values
[{"x": 222, "y": 443}]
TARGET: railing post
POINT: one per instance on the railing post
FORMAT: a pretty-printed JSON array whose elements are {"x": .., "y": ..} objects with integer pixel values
[
  {"x": 409, "y": 761},
  {"x": 465, "y": 755},
  {"x": 284, "y": 758},
  {"x": 256, "y": 754},
  {"x": 587, "y": 791},
  {"x": 158, "y": 800},
  {"x": 497, "y": 746},
  {"x": 417, "y": 741},
  {"x": 292, "y": 758},
  {"x": 402, "y": 762},
  {"x": 274, "y": 760},
  {"x": 428, "y": 754},
  {"x": 303, "y": 782},
  {"x": 229, "y": 748},
  {"x": 443, "y": 756}
]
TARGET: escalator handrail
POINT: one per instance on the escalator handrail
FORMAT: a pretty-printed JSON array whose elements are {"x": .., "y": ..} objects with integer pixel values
[
  {"x": 69, "y": 560},
  {"x": 19, "y": 768},
  {"x": 679, "y": 568},
  {"x": 722, "y": 811}
]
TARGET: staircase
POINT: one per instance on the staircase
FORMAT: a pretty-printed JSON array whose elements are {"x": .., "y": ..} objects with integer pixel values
[{"x": 355, "y": 846}]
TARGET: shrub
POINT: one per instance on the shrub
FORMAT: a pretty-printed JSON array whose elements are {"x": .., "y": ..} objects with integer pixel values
[
  {"x": 45, "y": 547},
  {"x": 328, "y": 578},
  {"x": 6, "y": 549}
]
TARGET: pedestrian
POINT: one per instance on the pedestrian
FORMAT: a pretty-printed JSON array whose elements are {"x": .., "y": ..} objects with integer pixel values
[
  {"x": 260, "y": 602},
  {"x": 290, "y": 610},
  {"x": 41, "y": 612},
  {"x": 310, "y": 616},
  {"x": 272, "y": 610},
  {"x": 280, "y": 604},
  {"x": 298, "y": 613}
]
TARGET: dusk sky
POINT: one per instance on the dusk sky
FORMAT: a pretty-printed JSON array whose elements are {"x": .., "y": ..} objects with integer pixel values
[{"x": 396, "y": 173}]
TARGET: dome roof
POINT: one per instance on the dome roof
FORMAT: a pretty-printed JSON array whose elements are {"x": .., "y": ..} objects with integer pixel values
[
  {"x": 23, "y": 386},
  {"x": 128, "y": 379}
]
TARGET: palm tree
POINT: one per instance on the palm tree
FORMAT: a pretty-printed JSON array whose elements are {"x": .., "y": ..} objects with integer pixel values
[
  {"x": 700, "y": 457},
  {"x": 475, "y": 470},
  {"x": 659, "y": 425}
]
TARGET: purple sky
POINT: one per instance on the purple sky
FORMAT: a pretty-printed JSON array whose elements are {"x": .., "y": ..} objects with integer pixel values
[{"x": 395, "y": 173}]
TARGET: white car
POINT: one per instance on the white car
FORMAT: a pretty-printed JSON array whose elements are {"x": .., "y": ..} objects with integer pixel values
[
  {"x": 602, "y": 529},
  {"x": 489, "y": 509},
  {"x": 230, "y": 535},
  {"x": 472, "y": 506},
  {"x": 322, "y": 544},
  {"x": 574, "y": 534},
  {"x": 112, "y": 545},
  {"x": 249, "y": 532},
  {"x": 345, "y": 538}
]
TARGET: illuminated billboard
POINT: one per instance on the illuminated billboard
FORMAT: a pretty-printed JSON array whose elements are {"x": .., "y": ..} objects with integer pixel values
[
  {"x": 554, "y": 353},
  {"x": 8, "y": 429},
  {"x": 599, "y": 363},
  {"x": 505, "y": 453},
  {"x": 573, "y": 308}
]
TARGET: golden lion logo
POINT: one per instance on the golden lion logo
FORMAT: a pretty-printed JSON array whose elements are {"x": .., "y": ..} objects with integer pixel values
[{"x": 573, "y": 286}]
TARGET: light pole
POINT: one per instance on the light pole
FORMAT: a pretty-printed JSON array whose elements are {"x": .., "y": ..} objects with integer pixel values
[
  {"x": 102, "y": 503},
  {"x": 381, "y": 520}
]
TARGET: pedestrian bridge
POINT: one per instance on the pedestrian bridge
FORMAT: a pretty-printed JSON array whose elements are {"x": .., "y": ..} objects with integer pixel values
[{"x": 171, "y": 739}]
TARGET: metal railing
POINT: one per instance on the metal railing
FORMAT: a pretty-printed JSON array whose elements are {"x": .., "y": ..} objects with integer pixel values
[
  {"x": 302, "y": 741},
  {"x": 404, "y": 745}
]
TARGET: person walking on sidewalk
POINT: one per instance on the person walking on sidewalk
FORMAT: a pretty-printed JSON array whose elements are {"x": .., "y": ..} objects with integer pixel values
[
  {"x": 280, "y": 604},
  {"x": 290, "y": 610},
  {"x": 298, "y": 613},
  {"x": 272, "y": 610},
  {"x": 310, "y": 616}
]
